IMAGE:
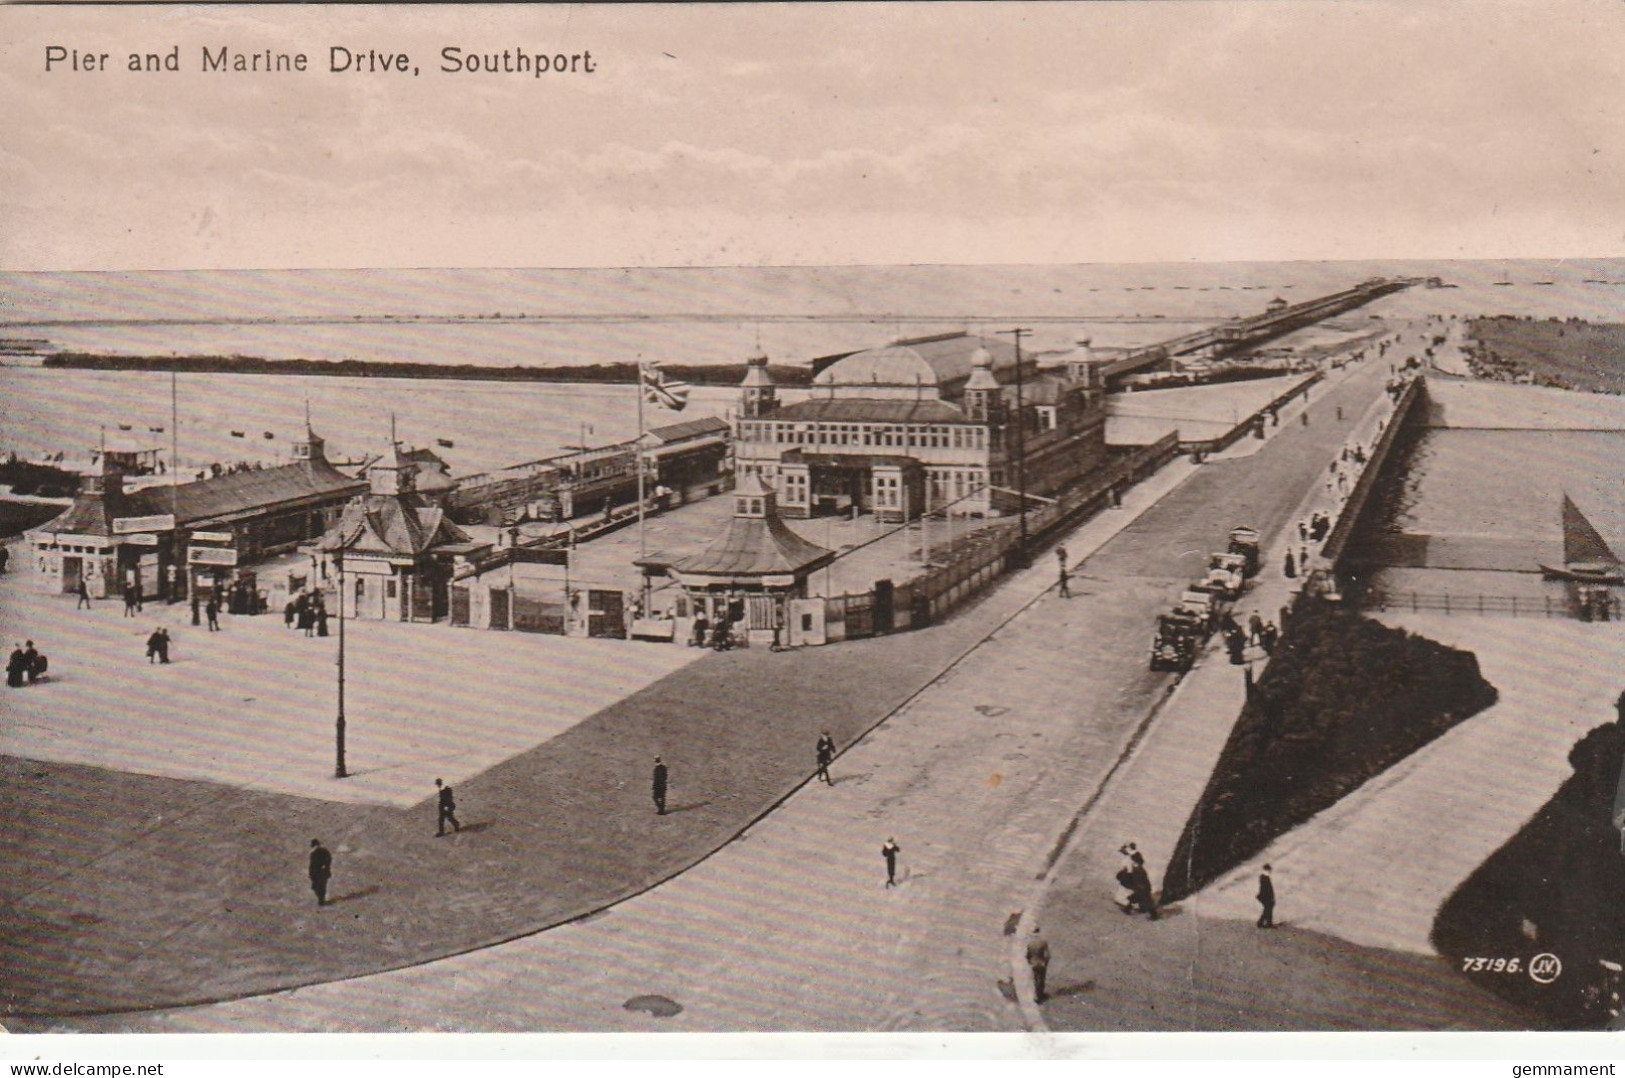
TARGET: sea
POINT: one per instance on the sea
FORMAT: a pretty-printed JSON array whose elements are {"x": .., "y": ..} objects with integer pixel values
[{"x": 558, "y": 317}]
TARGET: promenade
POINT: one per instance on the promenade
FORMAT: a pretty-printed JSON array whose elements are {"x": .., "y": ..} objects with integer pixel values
[{"x": 998, "y": 727}]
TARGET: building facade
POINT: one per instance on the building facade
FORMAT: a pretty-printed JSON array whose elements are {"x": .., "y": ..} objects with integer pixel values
[
  {"x": 151, "y": 540},
  {"x": 943, "y": 424}
]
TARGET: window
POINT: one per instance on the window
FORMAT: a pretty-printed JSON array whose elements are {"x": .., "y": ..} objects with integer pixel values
[{"x": 389, "y": 588}]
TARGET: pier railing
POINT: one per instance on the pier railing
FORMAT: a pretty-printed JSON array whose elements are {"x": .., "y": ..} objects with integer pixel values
[{"x": 1601, "y": 608}]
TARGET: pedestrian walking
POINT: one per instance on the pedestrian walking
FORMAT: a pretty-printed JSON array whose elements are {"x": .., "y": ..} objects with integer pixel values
[
  {"x": 163, "y": 645},
  {"x": 1291, "y": 569},
  {"x": 129, "y": 602},
  {"x": 1303, "y": 417},
  {"x": 213, "y": 611},
  {"x": 658, "y": 786},
  {"x": 1269, "y": 637},
  {"x": 448, "y": 810},
  {"x": 1255, "y": 628},
  {"x": 321, "y": 618},
  {"x": 1038, "y": 960},
  {"x": 890, "y": 851},
  {"x": 83, "y": 591},
  {"x": 14, "y": 667},
  {"x": 1266, "y": 899},
  {"x": 153, "y": 643},
  {"x": 31, "y": 663},
  {"x": 826, "y": 755},
  {"x": 288, "y": 613},
  {"x": 1303, "y": 531},
  {"x": 1066, "y": 585},
  {"x": 321, "y": 870}
]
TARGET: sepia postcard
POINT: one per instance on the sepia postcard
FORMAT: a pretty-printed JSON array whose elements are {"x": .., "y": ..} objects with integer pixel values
[{"x": 858, "y": 525}]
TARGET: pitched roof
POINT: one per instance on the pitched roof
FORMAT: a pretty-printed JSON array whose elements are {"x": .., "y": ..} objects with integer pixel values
[
  {"x": 688, "y": 428},
  {"x": 243, "y": 493},
  {"x": 88, "y": 515},
  {"x": 391, "y": 526},
  {"x": 871, "y": 410}
]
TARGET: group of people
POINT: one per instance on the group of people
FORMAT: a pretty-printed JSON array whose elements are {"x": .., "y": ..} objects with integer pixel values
[
  {"x": 25, "y": 666},
  {"x": 319, "y": 866},
  {"x": 308, "y": 612},
  {"x": 1258, "y": 633},
  {"x": 1136, "y": 883},
  {"x": 718, "y": 637},
  {"x": 158, "y": 645},
  {"x": 1315, "y": 528}
]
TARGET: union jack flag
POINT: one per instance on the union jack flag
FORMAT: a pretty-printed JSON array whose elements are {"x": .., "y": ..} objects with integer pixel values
[{"x": 657, "y": 389}]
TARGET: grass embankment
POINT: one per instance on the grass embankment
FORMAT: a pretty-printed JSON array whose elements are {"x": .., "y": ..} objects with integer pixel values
[
  {"x": 720, "y": 374},
  {"x": 1344, "y": 699},
  {"x": 1553, "y": 889},
  {"x": 1568, "y": 354}
]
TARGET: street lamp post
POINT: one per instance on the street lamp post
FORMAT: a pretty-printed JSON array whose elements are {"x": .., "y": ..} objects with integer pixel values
[{"x": 339, "y": 771}]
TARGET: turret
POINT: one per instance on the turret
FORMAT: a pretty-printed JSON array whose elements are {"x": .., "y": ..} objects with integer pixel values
[
  {"x": 758, "y": 396},
  {"x": 392, "y": 473},
  {"x": 983, "y": 398},
  {"x": 312, "y": 448}
]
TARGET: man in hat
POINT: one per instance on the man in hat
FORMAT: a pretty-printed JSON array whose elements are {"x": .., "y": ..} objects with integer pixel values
[
  {"x": 1266, "y": 899},
  {"x": 890, "y": 851},
  {"x": 658, "y": 786},
  {"x": 1038, "y": 960},
  {"x": 321, "y": 870},
  {"x": 448, "y": 810},
  {"x": 826, "y": 755}
]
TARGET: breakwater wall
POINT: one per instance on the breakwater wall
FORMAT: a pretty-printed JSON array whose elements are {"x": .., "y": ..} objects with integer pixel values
[
  {"x": 1409, "y": 407},
  {"x": 1255, "y": 421}
]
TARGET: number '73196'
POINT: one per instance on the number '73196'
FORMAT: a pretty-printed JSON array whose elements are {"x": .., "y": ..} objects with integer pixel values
[{"x": 1491, "y": 965}]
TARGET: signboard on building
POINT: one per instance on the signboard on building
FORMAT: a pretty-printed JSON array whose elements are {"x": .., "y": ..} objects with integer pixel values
[
  {"x": 164, "y": 522},
  {"x": 211, "y": 537},
  {"x": 202, "y": 555},
  {"x": 144, "y": 539}
]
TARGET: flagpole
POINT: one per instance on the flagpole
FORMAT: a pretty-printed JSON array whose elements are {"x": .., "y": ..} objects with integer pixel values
[{"x": 637, "y": 449}]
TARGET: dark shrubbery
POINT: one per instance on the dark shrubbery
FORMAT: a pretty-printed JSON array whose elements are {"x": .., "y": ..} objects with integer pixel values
[
  {"x": 25, "y": 477},
  {"x": 1344, "y": 699},
  {"x": 1555, "y": 889}
]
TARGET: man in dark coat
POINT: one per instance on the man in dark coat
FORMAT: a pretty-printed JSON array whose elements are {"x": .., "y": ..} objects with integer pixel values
[
  {"x": 31, "y": 662},
  {"x": 890, "y": 851},
  {"x": 154, "y": 642},
  {"x": 1266, "y": 899},
  {"x": 14, "y": 668},
  {"x": 213, "y": 611},
  {"x": 163, "y": 645},
  {"x": 658, "y": 787},
  {"x": 83, "y": 591},
  {"x": 321, "y": 618},
  {"x": 826, "y": 755},
  {"x": 448, "y": 810},
  {"x": 321, "y": 870},
  {"x": 1038, "y": 961}
]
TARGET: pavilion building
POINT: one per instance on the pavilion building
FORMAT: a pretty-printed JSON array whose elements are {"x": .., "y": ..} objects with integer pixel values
[{"x": 924, "y": 425}]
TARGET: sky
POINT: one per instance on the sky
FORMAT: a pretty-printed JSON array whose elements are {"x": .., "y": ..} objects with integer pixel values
[{"x": 820, "y": 134}]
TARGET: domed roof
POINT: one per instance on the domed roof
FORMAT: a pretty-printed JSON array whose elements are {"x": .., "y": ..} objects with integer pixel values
[{"x": 928, "y": 361}]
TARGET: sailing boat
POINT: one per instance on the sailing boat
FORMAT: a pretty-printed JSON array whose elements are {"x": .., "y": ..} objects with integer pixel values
[{"x": 1586, "y": 557}]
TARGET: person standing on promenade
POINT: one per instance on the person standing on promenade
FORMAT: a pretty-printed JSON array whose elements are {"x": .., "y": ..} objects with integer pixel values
[
  {"x": 1291, "y": 570},
  {"x": 129, "y": 602},
  {"x": 163, "y": 645},
  {"x": 1266, "y": 899},
  {"x": 890, "y": 851},
  {"x": 447, "y": 810},
  {"x": 321, "y": 616},
  {"x": 213, "y": 612},
  {"x": 153, "y": 643},
  {"x": 14, "y": 667},
  {"x": 1038, "y": 960},
  {"x": 1255, "y": 629},
  {"x": 31, "y": 663},
  {"x": 321, "y": 870},
  {"x": 83, "y": 591},
  {"x": 658, "y": 786},
  {"x": 826, "y": 755}
]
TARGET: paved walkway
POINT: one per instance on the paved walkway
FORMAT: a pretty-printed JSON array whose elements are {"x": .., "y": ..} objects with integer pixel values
[{"x": 1188, "y": 971}]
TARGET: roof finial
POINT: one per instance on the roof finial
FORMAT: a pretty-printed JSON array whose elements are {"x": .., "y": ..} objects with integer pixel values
[{"x": 393, "y": 442}]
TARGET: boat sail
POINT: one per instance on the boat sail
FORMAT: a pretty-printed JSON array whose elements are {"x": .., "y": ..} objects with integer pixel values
[{"x": 1586, "y": 555}]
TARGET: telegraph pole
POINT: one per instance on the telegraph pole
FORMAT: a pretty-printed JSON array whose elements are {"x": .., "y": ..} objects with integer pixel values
[
  {"x": 1021, "y": 442},
  {"x": 339, "y": 770}
]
